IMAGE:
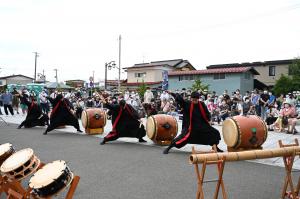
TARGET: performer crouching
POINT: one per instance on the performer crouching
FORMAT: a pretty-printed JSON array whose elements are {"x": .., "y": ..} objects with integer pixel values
[
  {"x": 196, "y": 128},
  {"x": 61, "y": 114},
  {"x": 125, "y": 122},
  {"x": 35, "y": 116}
]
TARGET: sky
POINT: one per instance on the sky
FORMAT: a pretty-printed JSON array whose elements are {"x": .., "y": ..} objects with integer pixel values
[{"x": 79, "y": 37}]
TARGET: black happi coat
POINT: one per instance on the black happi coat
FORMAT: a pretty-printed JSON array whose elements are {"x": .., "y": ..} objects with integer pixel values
[
  {"x": 61, "y": 113},
  {"x": 128, "y": 125},
  {"x": 202, "y": 132},
  {"x": 35, "y": 116}
]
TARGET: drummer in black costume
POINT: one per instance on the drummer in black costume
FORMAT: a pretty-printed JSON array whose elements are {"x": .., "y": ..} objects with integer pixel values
[
  {"x": 196, "y": 128},
  {"x": 125, "y": 121},
  {"x": 35, "y": 116},
  {"x": 61, "y": 114}
]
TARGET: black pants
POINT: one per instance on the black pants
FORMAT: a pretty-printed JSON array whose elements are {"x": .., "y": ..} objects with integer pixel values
[
  {"x": 10, "y": 109},
  {"x": 79, "y": 112},
  {"x": 45, "y": 107}
]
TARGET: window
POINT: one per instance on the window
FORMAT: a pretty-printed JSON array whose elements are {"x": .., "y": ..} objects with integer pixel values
[
  {"x": 219, "y": 76},
  {"x": 139, "y": 74},
  {"x": 271, "y": 70},
  {"x": 186, "y": 77},
  {"x": 0, "y": 82}
]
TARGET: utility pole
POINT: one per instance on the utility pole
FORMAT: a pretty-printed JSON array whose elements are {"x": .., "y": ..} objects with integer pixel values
[
  {"x": 93, "y": 81},
  {"x": 93, "y": 76},
  {"x": 44, "y": 76},
  {"x": 56, "y": 76},
  {"x": 36, "y": 54},
  {"x": 119, "y": 80},
  {"x": 105, "y": 78}
]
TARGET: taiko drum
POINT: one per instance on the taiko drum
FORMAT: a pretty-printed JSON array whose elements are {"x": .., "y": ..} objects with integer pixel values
[
  {"x": 51, "y": 179},
  {"x": 20, "y": 164},
  {"x": 161, "y": 129},
  {"x": 244, "y": 132},
  {"x": 93, "y": 118},
  {"x": 6, "y": 150}
]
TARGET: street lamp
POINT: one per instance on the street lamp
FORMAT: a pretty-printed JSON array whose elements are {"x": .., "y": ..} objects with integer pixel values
[
  {"x": 42, "y": 77},
  {"x": 108, "y": 66},
  {"x": 56, "y": 76}
]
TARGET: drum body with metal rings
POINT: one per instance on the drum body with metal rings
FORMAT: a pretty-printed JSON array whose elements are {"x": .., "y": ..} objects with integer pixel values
[
  {"x": 244, "y": 132},
  {"x": 20, "y": 164},
  {"x": 93, "y": 118},
  {"x": 53, "y": 178},
  {"x": 161, "y": 129},
  {"x": 6, "y": 150}
]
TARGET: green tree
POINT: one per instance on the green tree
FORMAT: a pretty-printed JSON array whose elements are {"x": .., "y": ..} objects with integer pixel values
[
  {"x": 286, "y": 84},
  {"x": 141, "y": 90},
  {"x": 198, "y": 85},
  {"x": 283, "y": 85},
  {"x": 294, "y": 68}
]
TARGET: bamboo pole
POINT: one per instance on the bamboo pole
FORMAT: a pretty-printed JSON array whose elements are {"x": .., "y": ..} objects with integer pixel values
[{"x": 244, "y": 155}]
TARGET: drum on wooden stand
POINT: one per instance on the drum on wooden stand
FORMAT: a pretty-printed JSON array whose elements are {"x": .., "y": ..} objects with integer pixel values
[
  {"x": 161, "y": 129},
  {"x": 20, "y": 164},
  {"x": 93, "y": 120},
  {"x": 6, "y": 150},
  {"x": 244, "y": 132},
  {"x": 51, "y": 179}
]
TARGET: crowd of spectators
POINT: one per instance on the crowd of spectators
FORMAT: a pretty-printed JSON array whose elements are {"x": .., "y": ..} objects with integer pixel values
[{"x": 279, "y": 112}]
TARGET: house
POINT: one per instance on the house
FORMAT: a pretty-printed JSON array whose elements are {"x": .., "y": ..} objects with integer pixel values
[
  {"x": 152, "y": 73},
  {"x": 218, "y": 79},
  {"x": 77, "y": 83},
  {"x": 269, "y": 71},
  {"x": 15, "y": 79},
  {"x": 113, "y": 84}
]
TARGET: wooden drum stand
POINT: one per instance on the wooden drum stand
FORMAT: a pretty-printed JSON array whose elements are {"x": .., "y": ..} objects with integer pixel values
[
  {"x": 200, "y": 176},
  {"x": 288, "y": 182},
  {"x": 14, "y": 189},
  {"x": 287, "y": 151}
]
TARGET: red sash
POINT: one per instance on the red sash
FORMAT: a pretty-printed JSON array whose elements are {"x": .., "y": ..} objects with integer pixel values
[
  {"x": 113, "y": 132},
  {"x": 117, "y": 119},
  {"x": 67, "y": 106},
  {"x": 203, "y": 112},
  {"x": 129, "y": 110},
  {"x": 191, "y": 117},
  {"x": 31, "y": 106},
  {"x": 55, "y": 108}
]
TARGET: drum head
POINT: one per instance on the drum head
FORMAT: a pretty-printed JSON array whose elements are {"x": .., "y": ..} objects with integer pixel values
[
  {"x": 5, "y": 148},
  {"x": 16, "y": 160},
  {"x": 48, "y": 174},
  {"x": 230, "y": 132},
  {"x": 84, "y": 119},
  {"x": 150, "y": 127}
]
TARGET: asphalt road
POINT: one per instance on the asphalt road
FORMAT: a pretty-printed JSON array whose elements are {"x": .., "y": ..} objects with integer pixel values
[{"x": 134, "y": 171}]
